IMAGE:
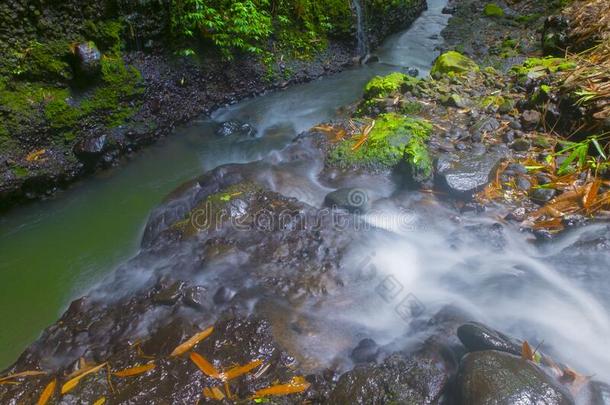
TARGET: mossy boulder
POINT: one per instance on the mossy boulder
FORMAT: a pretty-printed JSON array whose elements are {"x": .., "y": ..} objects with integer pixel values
[
  {"x": 383, "y": 86},
  {"x": 453, "y": 62},
  {"x": 394, "y": 139},
  {"x": 534, "y": 68},
  {"x": 493, "y": 10}
]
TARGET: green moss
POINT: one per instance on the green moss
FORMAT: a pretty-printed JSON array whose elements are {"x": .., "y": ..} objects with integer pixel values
[
  {"x": 106, "y": 34},
  {"x": 121, "y": 84},
  {"x": 59, "y": 114},
  {"x": 528, "y": 18},
  {"x": 453, "y": 62},
  {"x": 411, "y": 107},
  {"x": 493, "y": 10},
  {"x": 46, "y": 62},
  {"x": 383, "y": 86},
  {"x": 393, "y": 140},
  {"x": 534, "y": 68},
  {"x": 19, "y": 171}
]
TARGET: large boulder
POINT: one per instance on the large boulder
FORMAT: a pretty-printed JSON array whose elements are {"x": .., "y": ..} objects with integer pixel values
[
  {"x": 88, "y": 59},
  {"x": 493, "y": 377},
  {"x": 465, "y": 173},
  {"x": 478, "y": 337},
  {"x": 453, "y": 62}
]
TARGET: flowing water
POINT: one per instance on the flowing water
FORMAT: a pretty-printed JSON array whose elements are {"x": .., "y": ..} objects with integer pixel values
[{"x": 424, "y": 253}]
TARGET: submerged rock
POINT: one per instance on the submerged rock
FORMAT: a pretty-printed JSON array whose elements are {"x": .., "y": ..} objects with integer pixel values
[
  {"x": 235, "y": 128},
  {"x": 493, "y": 377},
  {"x": 352, "y": 199}
]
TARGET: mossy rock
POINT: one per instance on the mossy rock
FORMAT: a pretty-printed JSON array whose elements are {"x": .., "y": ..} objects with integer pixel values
[
  {"x": 394, "y": 139},
  {"x": 453, "y": 62},
  {"x": 534, "y": 68},
  {"x": 383, "y": 86},
  {"x": 44, "y": 62},
  {"x": 493, "y": 10}
]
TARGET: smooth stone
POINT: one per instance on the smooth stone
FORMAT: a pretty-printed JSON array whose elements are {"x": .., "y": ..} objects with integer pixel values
[
  {"x": 352, "y": 199},
  {"x": 468, "y": 173},
  {"x": 530, "y": 119},
  {"x": 543, "y": 195},
  {"x": 477, "y": 337},
  {"x": 367, "y": 351}
]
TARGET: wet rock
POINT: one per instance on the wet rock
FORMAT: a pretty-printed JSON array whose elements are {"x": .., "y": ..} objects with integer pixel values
[
  {"x": 223, "y": 295},
  {"x": 352, "y": 199},
  {"x": 523, "y": 183},
  {"x": 599, "y": 393},
  {"x": 367, "y": 351},
  {"x": 195, "y": 296},
  {"x": 235, "y": 128},
  {"x": 453, "y": 62},
  {"x": 399, "y": 379},
  {"x": 88, "y": 59},
  {"x": 169, "y": 295},
  {"x": 520, "y": 145},
  {"x": 454, "y": 100},
  {"x": 413, "y": 72},
  {"x": 530, "y": 119},
  {"x": 91, "y": 147},
  {"x": 543, "y": 195},
  {"x": 467, "y": 173},
  {"x": 493, "y": 377},
  {"x": 487, "y": 124},
  {"x": 478, "y": 337}
]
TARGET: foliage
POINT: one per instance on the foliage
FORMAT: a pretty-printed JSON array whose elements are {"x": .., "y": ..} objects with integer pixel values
[
  {"x": 383, "y": 86},
  {"x": 493, "y": 10},
  {"x": 43, "y": 62},
  {"x": 393, "y": 139}
]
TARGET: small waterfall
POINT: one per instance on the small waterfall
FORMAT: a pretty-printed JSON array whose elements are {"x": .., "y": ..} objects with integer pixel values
[{"x": 363, "y": 39}]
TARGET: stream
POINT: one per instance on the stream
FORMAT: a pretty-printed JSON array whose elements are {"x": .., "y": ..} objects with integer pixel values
[{"x": 555, "y": 294}]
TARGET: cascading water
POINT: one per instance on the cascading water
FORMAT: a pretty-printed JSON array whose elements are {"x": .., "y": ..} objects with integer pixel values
[{"x": 361, "y": 33}]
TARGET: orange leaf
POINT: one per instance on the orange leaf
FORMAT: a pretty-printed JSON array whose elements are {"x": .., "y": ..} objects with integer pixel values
[
  {"x": 189, "y": 344},
  {"x": 129, "y": 372},
  {"x": 71, "y": 384},
  {"x": 591, "y": 194},
  {"x": 296, "y": 385},
  {"x": 47, "y": 393},
  {"x": 22, "y": 374},
  {"x": 35, "y": 155},
  {"x": 213, "y": 393},
  {"x": 240, "y": 370},
  {"x": 100, "y": 401},
  {"x": 526, "y": 351},
  {"x": 204, "y": 365}
]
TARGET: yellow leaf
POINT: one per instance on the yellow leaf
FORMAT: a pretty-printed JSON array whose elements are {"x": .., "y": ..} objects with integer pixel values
[
  {"x": 71, "y": 384},
  {"x": 22, "y": 374},
  {"x": 35, "y": 155},
  {"x": 47, "y": 393},
  {"x": 189, "y": 344},
  {"x": 100, "y": 401},
  {"x": 296, "y": 385},
  {"x": 129, "y": 372},
  {"x": 204, "y": 365},
  {"x": 240, "y": 370},
  {"x": 213, "y": 393},
  {"x": 526, "y": 351}
]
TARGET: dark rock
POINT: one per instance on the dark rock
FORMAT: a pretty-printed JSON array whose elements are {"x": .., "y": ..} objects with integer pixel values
[
  {"x": 530, "y": 119},
  {"x": 352, "y": 199},
  {"x": 555, "y": 35},
  {"x": 367, "y": 351},
  {"x": 454, "y": 100},
  {"x": 493, "y": 377},
  {"x": 413, "y": 72},
  {"x": 487, "y": 124},
  {"x": 235, "y": 128},
  {"x": 523, "y": 183},
  {"x": 88, "y": 59},
  {"x": 195, "y": 296},
  {"x": 508, "y": 136},
  {"x": 599, "y": 393},
  {"x": 91, "y": 147},
  {"x": 543, "y": 195},
  {"x": 543, "y": 179},
  {"x": 467, "y": 173},
  {"x": 223, "y": 295},
  {"x": 477, "y": 337},
  {"x": 169, "y": 295},
  {"x": 516, "y": 168},
  {"x": 520, "y": 145}
]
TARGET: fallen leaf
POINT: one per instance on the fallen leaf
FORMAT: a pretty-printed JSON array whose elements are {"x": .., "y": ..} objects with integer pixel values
[
  {"x": 129, "y": 372},
  {"x": 9, "y": 383},
  {"x": 576, "y": 381},
  {"x": 30, "y": 373},
  {"x": 590, "y": 194},
  {"x": 240, "y": 370},
  {"x": 213, "y": 393},
  {"x": 35, "y": 155},
  {"x": 189, "y": 344},
  {"x": 71, "y": 384},
  {"x": 100, "y": 401},
  {"x": 204, "y": 365},
  {"x": 296, "y": 385},
  {"x": 526, "y": 351},
  {"x": 47, "y": 393}
]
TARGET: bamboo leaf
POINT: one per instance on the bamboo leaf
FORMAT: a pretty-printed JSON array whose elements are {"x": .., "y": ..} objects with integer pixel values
[
  {"x": 296, "y": 385},
  {"x": 47, "y": 393},
  {"x": 189, "y": 344},
  {"x": 240, "y": 370},
  {"x": 100, "y": 401},
  {"x": 590, "y": 194},
  {"x": 71, "y": 384},
  {"x": 30, "y": 373},
  {"x": 599, "y": 148},
  {"x": 526, "y": 351},
  {"x": 204, "y": 365},
  {"x": 213, "y": 393},
  {"x": 133, "y": 371}
]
